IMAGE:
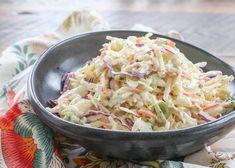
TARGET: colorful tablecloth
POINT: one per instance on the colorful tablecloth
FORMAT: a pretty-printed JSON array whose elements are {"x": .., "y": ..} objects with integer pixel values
[{"x": 27, "y": 142}]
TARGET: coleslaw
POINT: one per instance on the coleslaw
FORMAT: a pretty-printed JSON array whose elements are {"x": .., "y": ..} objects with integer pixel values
[{"x": 142, "y": 84}]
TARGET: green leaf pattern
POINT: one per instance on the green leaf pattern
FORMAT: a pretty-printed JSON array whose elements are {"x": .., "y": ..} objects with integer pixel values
[
  {"x": 24, "y": 57},
  {"x": 73, "y": 19},
  {"x": 67, "y": 23},
  {"x": 3, "y": 92},
  {"x": 28, "y": 125},
  {"x": 40, "y": 159},
  {"x": 102, "y": 162},
  {"x": 11, "y": 84}
]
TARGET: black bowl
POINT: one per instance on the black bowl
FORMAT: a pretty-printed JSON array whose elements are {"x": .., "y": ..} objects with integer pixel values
[{"x": 68, "y": 55}]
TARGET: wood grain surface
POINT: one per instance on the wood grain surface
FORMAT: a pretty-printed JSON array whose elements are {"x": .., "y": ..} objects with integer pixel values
[{"x": 208, "y": 24}]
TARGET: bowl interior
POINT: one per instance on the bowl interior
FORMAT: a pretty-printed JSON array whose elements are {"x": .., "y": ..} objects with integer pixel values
[{"x": 73, "y": 53}]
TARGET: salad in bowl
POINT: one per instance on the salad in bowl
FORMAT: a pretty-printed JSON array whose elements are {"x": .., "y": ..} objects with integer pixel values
[{"x": 142, "y": 84}]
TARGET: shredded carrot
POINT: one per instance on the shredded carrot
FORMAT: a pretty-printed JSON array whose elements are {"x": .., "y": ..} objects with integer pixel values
[
  {"x": 117, "y": 83},
  {"x": 181, "y": 115},
  {"x": 171, "y": 43},
  {"x": 211, "y": 106},
  {"x": 138, "y": 40},
  {"x": 186, "y": 75},
  {"x": 106, "y": 90},
  {"x": 136, "y": 90},
  {"x": 193, "y": 95},
  {"x": 206, "y": 78},
  {"x": 196, "y": 116},
  {"x": 105, "y": 125},
  {"x": 145, "y": 113},
  {"x": 155, "y": 69},
  {"x": 65, "y": 100},
  {"x": 169, "y": 71}
]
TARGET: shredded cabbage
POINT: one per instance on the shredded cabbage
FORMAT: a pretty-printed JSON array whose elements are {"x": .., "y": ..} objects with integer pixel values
[{"x": 143, "y": 84}]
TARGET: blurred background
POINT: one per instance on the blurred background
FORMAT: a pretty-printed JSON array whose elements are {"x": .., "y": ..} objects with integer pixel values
[{"x": 209, "y": 24}]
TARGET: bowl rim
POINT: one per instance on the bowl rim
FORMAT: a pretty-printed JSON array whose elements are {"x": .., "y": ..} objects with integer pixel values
[{"x": 39, "y": 106}]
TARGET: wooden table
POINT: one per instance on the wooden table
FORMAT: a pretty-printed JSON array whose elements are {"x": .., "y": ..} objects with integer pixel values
[{"x": 209, "y": 24}]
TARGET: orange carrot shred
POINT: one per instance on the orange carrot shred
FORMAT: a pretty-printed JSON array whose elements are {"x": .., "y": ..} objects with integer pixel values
[
  {"x": 186, "y": 75},
  {"x": 105, "y": 125},
  {"x": 211, "y": 106},
  {"x": 193, "y": 95},
  {"x": 138, "y": 40},
  {"x": 117, "y": 83},
  {"x": 171, "y": 43},
  {"x": 135, "y": 90},
  {"x": 145, "y": 113}
]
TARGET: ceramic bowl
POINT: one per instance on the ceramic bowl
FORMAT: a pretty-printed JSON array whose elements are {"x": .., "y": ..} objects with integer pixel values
[{"x": 68, "y": 55}]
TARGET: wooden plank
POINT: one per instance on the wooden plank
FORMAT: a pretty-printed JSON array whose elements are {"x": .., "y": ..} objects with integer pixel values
[
  {"x": 224, "y": 6},
  {"x": 195, "y": 27}
]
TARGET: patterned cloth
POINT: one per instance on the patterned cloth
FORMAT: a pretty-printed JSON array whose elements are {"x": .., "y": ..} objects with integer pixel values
[{"x": 26, "y": 142}]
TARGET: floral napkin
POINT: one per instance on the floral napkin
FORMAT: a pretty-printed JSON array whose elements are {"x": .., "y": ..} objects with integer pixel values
[{"x": 26, "y": 142}]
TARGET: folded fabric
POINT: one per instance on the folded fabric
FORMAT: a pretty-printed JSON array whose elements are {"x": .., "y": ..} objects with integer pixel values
[{"x": 27, "y": 142}]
